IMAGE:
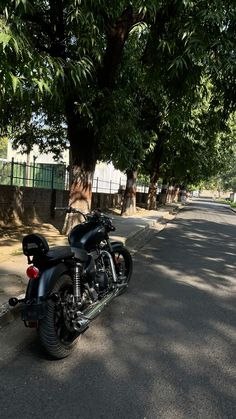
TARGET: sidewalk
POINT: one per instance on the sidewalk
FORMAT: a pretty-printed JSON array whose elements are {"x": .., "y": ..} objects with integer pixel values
[{"x": 131, "y": 230}]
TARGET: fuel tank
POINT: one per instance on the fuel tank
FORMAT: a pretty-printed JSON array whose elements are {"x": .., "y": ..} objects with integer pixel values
[{"x": 86, "y": 235}]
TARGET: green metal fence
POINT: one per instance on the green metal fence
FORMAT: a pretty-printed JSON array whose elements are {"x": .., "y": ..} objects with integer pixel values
[
  {"x": 36, "y": 175},
  {"x": 48, "y": 176},
  {"x": 53, "y": 176}
]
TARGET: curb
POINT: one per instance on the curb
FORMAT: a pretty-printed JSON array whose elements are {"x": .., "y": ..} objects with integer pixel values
[
  {"x": 132, "y": 239},
  {"x": 136, "y": 234},
  {"x": 134, "y": 247}
]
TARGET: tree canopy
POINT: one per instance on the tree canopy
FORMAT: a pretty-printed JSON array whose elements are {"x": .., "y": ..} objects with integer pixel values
[{"x": 147, "y": 87}]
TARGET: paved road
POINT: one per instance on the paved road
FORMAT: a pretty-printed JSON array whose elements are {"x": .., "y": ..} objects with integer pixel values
[{"x": 166, "y": 349}]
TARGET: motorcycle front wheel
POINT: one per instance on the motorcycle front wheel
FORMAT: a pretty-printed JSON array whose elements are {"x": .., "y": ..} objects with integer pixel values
[
  {"x": 124, "y": 266},
  {"x": 54, "y": 334}
]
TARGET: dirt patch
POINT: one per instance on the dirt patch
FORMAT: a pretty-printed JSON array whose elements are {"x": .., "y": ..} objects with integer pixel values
[{"x": 11, "y": 237}]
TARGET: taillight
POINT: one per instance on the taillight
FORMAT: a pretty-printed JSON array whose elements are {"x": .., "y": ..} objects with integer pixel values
[{"x": 32, "y": 272}]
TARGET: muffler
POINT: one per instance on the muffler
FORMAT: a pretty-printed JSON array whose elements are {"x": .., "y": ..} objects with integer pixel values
[{"x": 89, "y": 314}]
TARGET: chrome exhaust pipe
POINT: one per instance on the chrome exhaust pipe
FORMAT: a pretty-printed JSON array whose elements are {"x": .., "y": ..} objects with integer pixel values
[
  {"x": 113, "y": 269},
  {"x": 83, "y": 320},
  {"x": 89, "y": 314}
]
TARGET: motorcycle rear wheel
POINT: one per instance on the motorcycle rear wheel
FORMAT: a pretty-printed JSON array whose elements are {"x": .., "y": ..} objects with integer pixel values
[{"x": 54, "y": 336}]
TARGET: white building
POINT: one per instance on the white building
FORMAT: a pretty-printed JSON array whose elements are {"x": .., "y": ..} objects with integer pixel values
[{"x": 44, "y": 158}]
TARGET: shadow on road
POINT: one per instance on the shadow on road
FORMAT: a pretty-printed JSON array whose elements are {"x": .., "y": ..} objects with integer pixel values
[{"x": 165, "y": 349}]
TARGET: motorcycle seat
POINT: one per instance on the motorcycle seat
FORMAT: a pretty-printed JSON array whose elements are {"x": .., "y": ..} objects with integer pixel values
[
  {"x": 59, "y": 252},
  {"x": 80, "y": 254},
  {"x": 66, "y": 252}
]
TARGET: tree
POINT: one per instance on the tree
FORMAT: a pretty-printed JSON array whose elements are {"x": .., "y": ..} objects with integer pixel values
[
  {"x": 124, "y": 140},
  {"x": 80, "y": 45},
  {"x": 188, "y": 46},
  {"x": 226, "y": 177}
]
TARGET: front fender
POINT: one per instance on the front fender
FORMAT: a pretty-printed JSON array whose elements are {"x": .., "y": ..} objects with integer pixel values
[
  {"x": 49, "y": 277},
  {"x": 116, "y": 245}
]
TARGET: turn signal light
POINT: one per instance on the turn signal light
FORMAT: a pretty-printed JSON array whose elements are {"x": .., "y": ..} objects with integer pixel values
[{"x": 32, "y": 272}]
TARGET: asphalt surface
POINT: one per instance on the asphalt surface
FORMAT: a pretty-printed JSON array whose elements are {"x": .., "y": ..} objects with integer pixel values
[{"x": 165, "y": 349}]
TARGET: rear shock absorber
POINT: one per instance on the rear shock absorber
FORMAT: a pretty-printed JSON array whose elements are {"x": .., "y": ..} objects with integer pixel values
[{"x": 77, "y": 281}]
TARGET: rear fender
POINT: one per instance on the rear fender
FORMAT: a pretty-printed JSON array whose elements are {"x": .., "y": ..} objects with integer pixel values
[
  {"x": 35, "y": 307},
  {"x": 48, "y": 278},
  {"x": 40, "y": 287},
  {"x": 32, "y": 289}
]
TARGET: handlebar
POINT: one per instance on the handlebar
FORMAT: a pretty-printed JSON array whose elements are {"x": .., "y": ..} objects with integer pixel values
[
  {"x": 95, "y": 215},
  {"x": 70, "y": 210}
]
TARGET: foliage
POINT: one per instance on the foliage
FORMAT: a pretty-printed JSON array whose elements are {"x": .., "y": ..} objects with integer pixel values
[
  {"x": 226, "y": 173},
  {"x": 48, "y": 131},
  {"x": 169, "y": 78},
  {"x": 124, "y": 140},
  {"x": 3, "y": 147},
  {"x": 54, "y": 53},
  {"x": 189, "y": 54}
]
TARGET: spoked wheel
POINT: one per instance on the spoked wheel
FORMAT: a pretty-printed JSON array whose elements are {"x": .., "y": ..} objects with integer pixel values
[
  {"x": 55, "y": 332},
  {"x": 124, "y": 266}
]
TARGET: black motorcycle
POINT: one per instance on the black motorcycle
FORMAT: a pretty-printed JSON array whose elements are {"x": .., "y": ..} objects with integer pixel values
[{"x": 70, "y": 285}]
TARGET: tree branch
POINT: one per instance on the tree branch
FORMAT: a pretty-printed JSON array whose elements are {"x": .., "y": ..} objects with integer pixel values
[{"x": 117, "y": 35}]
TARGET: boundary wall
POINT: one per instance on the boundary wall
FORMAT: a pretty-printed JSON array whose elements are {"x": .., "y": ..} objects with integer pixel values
[{"x": 25, "y": 205}]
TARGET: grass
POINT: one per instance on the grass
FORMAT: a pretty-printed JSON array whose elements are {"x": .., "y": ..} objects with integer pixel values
[{"x": 231, "y": 204}]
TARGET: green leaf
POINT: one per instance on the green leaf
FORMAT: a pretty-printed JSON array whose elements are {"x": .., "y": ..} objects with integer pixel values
[
  {"x": 4, "y": 39},
  {"x": 15, "y": 82},
  {"x": 23, "y": 2},
  {"x": 39, "y": 83}
]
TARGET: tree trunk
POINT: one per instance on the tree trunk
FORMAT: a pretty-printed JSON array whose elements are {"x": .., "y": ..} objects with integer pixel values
[
  {"x": 84, "y": 151},
  {"x": 169, "y": 194},
  {"x": 80, "y": 196},
  {"x": 176, "y": 193},
  {"x": 163, "y": 194},
  {"x": 152, "y": 193},
  {"x": 156, "y": 159},
  {"x": 81, "y": 188},
  {"x": 129, "y": 203},
  {"x": 116, "y": 36}
]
